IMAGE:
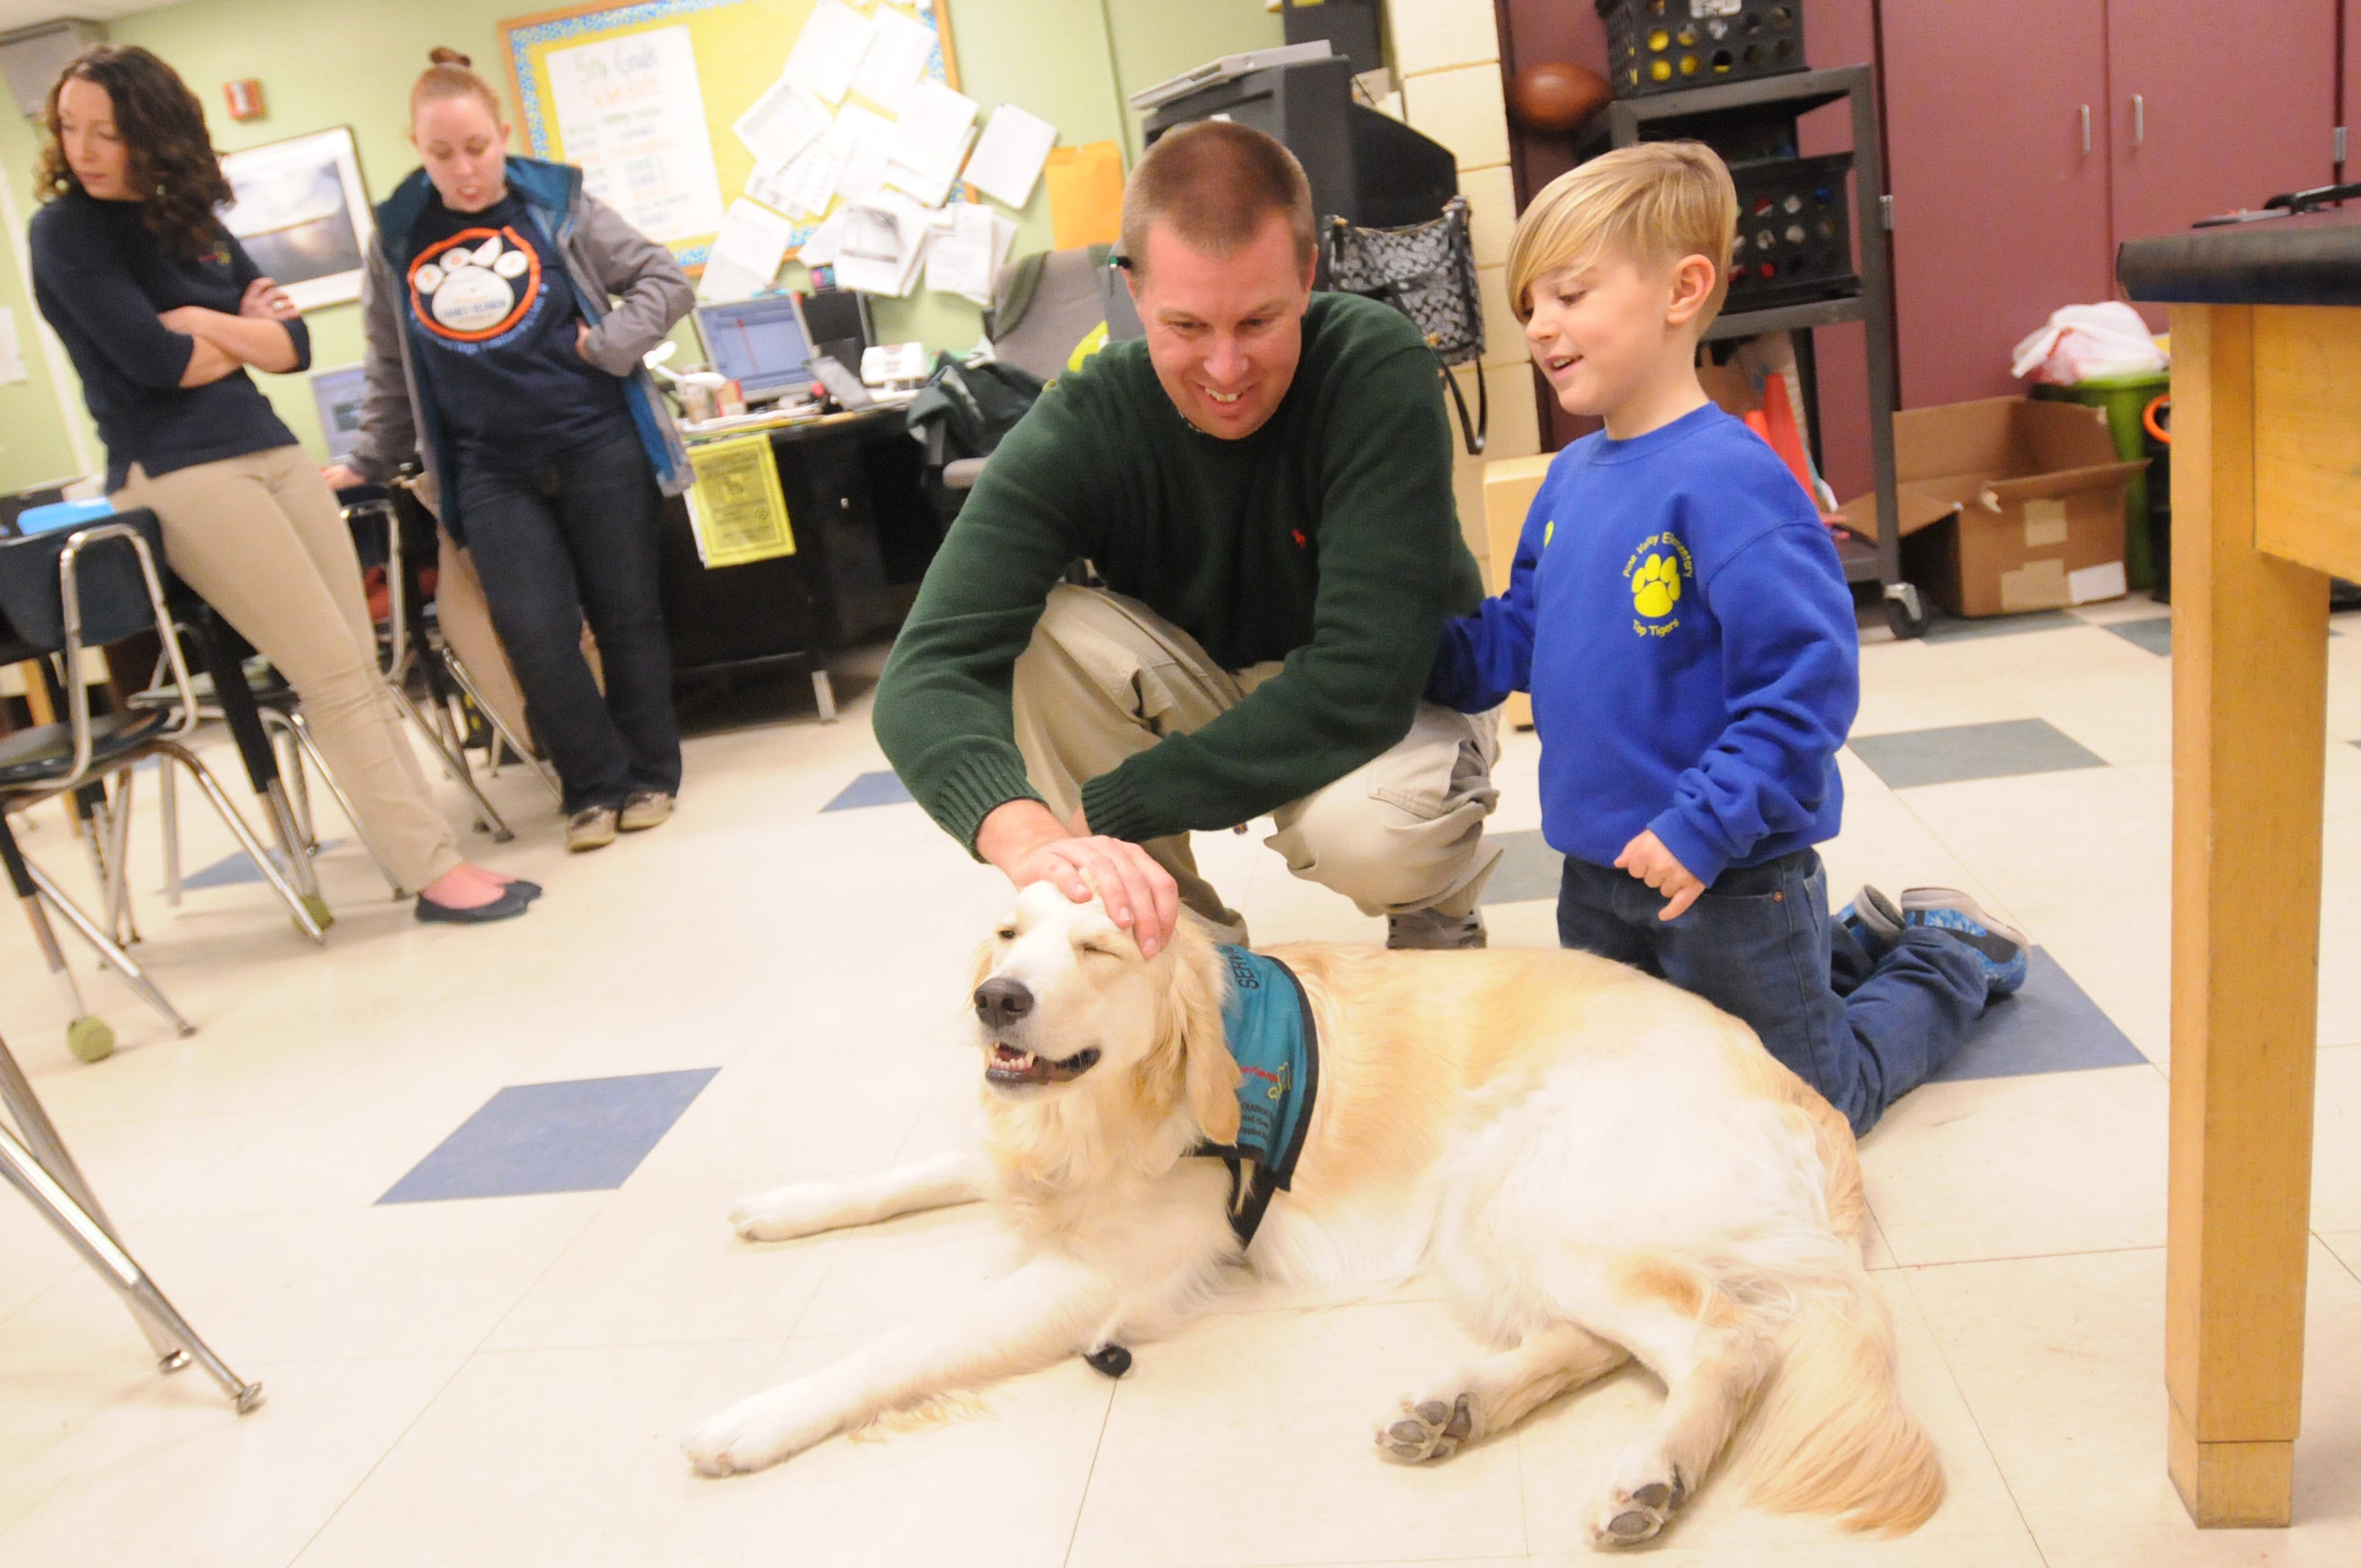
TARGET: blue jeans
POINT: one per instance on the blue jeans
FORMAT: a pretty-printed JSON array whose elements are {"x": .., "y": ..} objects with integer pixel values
[
  {"x": 1759, "y": 944},
  {"x": 570, "y": 539}
]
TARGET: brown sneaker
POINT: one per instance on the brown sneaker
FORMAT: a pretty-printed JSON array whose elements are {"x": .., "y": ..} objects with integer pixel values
[
  {"x": 645, "y": 808},
  {"x": 1429, "y": 929},
  {"x": 592, "y": 827}
]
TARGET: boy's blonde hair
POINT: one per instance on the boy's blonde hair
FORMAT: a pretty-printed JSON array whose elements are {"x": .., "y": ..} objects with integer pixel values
[{"x": 1653, "y": 205}]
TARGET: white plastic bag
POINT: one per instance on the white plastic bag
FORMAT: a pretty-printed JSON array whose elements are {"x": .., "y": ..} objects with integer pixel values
[{"x": 2086, "y": 340}]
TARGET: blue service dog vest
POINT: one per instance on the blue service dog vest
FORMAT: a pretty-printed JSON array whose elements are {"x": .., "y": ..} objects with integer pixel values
[{"x": 1267, "y": 1019}]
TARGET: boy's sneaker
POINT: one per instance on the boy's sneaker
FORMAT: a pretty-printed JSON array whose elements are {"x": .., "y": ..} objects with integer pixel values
[
  {"x": 2000, "y": 949},
  {"x": 1873, "y": 920}
]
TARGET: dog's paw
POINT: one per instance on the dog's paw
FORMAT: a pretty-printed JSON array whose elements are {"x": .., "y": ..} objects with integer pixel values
[
  {"x": 1631, "y": 1515},
  {"x": 753, "y": 1433},
  {"x": 1427, "y": 1429},
  {"x": 784, "y": 1212}
]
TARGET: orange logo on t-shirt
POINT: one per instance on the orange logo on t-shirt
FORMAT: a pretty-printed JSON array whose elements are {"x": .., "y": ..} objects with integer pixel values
[{"x": 475, "y": 285}]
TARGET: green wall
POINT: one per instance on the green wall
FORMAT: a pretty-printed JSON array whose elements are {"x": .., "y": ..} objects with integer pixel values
[{"x": 1071, "y": 61}]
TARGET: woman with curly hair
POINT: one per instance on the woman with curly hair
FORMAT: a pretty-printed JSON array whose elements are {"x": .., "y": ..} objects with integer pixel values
[{"x": 162, "y": 312}]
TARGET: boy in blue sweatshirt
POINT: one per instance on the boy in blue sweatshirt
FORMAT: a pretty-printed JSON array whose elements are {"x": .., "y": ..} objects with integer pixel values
[{"x": 1678, "y": 613}]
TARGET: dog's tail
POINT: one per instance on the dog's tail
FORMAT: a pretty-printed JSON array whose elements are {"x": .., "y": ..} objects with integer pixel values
[{"x": 1831, "y": 1434}]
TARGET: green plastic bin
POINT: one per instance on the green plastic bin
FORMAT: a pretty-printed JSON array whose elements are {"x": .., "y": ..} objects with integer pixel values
[{"x": 2124, "y": 398}]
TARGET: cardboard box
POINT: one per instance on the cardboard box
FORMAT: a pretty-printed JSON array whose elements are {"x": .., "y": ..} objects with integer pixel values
[{"x": 2007, "y": 504}]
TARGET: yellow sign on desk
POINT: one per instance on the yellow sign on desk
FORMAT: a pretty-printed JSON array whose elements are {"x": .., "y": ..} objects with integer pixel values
[{"x": 736, "y": 508}]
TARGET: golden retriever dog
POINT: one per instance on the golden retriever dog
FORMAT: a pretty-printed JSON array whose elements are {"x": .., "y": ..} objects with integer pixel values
[{"x": 1599, "y": 1167}]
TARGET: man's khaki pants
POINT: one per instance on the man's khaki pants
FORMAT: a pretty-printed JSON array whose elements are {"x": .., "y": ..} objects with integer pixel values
[{"x": 1105, "y": 678}]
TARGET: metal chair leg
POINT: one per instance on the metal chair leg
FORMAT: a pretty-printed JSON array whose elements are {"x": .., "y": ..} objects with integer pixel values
[
  {"x": 500, "y": 731},
  {"x": 113, "y": 957},
  {"x": 488, "y": 816},
  {"x": 39, "y": 1168},
  {"x": 296, "y": 908},
  {"x": 281, "y": 728},
  {"x": 824, "y": 693},
  {"x": 302, "y": 733},
  {"x": 168, "y": 804}
]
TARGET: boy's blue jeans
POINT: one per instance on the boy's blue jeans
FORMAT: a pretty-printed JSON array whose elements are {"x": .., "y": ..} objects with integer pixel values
[{"x": 1760, "y": 944}]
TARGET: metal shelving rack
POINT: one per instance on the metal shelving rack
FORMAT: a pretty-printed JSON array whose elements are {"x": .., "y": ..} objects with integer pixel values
[{"x": 1663, "y": 114}]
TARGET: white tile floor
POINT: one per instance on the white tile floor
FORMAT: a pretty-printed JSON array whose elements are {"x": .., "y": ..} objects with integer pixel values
[{"x": 504, "y": 1381}]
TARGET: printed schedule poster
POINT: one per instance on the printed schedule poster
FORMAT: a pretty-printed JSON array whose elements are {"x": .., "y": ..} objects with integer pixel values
[
  {"x": 736, "y": 508},
  {"x": 630, "y": 113}
]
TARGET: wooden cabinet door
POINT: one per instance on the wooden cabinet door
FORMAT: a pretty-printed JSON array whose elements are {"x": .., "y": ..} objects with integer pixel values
[
  {"x": 2215, "y": 107},
  {"x": 2001, "y": 209}
]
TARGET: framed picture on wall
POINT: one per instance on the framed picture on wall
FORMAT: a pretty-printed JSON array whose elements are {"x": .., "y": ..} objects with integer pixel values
[{"x": 302, "y": 213}]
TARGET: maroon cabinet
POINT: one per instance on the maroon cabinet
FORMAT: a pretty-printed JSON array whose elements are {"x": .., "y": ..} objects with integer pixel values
[
  {"x": 1997, "y": 138},
  {"x": 2028, "y": 138}
]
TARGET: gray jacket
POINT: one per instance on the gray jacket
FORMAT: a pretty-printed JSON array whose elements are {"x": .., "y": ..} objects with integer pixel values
[{"x": 606, "y": 259}]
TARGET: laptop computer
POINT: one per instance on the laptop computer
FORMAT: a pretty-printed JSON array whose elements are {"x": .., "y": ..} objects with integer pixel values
[{"x": 760, "y": 344}]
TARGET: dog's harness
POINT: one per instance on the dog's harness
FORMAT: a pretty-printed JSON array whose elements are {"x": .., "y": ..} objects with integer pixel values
[{"x": 1267, "y": 1019}]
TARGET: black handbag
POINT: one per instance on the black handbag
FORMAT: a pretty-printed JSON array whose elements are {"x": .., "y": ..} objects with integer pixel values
[{"x": 1427, "y": 271}]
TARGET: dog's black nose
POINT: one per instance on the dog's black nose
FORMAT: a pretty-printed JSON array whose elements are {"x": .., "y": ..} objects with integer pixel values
[{"x": 1001, "y": 1002}]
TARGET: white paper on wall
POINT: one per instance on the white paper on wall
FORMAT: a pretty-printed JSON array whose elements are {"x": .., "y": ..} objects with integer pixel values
[
  {"x": 828, "y": 49},
  {"x": 894, "y": 60},
  {"x": 932, "y": 134},
  {"x": 781, "y": 123},
  {"x": 1007, "y": 160}
]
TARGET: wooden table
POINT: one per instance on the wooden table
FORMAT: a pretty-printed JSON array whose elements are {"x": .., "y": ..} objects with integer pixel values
[{"x": 2266, "y": 321}]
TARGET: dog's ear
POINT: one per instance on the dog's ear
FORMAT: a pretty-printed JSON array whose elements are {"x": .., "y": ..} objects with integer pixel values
[{"x": 1208, "y": 1077}]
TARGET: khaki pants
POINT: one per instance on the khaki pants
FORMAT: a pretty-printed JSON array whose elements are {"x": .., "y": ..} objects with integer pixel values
[
  {"x": 262, "y": 539},
  {"x": 1105, "y": 678}
]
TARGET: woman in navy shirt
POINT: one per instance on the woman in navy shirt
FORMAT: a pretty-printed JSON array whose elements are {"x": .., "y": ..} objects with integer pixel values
[
  {"x": 162, "y": 312},
  {"x": 507, "y": 311}
]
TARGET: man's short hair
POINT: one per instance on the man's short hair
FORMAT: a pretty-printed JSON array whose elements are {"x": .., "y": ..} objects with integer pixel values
[
  {"x": 1650, "y": 204},
  {"x": 1214, "y": 184}
]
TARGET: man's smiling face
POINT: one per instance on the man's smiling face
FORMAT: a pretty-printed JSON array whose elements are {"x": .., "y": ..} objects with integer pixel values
[{"x": 1224, "y": 332}]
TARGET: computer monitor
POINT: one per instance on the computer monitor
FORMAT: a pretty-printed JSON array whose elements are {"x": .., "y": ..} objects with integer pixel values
[
  {"x": 838, "y": 321},
  {"x": 760, "y": 344},
  {"x": 338, "y": 394},
  {"x": 1363, "y": 167}
]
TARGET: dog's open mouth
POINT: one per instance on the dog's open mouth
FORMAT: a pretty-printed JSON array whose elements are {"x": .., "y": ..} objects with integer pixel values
[{"x": 1011, "y": 1065}]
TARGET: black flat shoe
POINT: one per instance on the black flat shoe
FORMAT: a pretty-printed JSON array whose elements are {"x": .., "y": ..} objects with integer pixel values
[
  {"x": 507, "y": 906},
  {"x": 528, "y": 891}
]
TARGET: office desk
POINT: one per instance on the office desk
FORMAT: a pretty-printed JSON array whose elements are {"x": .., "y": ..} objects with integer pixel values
[
  {"x": 2267, "y": 505},
  {"x": 854, "y": 494}
]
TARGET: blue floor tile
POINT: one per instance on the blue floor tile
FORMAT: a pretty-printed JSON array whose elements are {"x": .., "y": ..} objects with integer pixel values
[
  {"x": 2049, "y": 1025},
  {"x": 1529, "y": 868},
  {"x": 586, "y": 1134},
  {"x": 2154, "y": 634},
  {"x": 1908, "y": 758},
  {"x": 235, "y": 868},
  {"x": 870, "y": 789}
]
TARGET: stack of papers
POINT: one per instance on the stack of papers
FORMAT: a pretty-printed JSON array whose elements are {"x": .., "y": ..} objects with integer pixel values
[
  {"x": 874, "y": 185},
  {"x": 967, "y": 249},
  {"x": 883, "y": 242}
]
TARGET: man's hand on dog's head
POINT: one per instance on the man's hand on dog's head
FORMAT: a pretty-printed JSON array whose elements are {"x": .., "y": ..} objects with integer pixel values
[
  {"x": 1646, "y": 858},
  {"x": 1024, "y": 839}
]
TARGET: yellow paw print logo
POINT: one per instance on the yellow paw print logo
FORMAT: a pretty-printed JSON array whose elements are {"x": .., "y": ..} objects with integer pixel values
[{"x": 1656, "y": 586}]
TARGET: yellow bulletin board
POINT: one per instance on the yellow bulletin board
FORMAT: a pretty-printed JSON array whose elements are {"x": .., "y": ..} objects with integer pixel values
[{"x": 739, "y": 47}]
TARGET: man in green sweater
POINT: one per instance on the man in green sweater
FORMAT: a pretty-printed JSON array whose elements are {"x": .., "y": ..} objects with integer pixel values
[{"x": 1264, "y": 486}]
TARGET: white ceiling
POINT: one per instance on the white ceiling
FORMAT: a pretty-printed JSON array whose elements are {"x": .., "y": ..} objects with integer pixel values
[{"x": 14, "y": 14}]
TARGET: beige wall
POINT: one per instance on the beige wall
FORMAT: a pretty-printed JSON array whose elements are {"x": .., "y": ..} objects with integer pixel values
[{"x": 1447, "y": 55}]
